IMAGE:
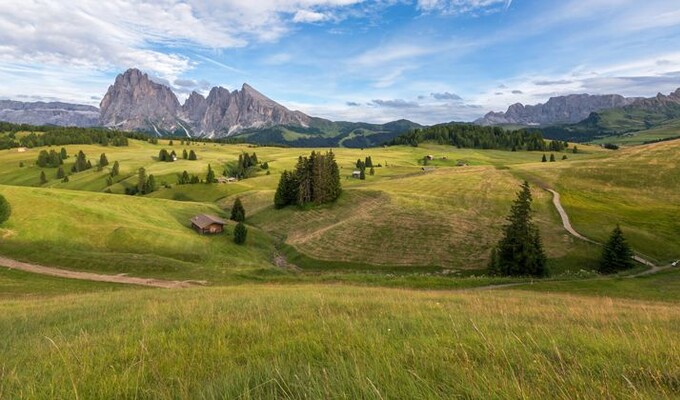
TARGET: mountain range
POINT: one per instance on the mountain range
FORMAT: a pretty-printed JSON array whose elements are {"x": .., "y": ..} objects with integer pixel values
[{"x": 135, "y": 102}]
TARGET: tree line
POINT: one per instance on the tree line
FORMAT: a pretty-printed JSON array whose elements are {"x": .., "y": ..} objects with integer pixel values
[
  {"x": 476, "y": 137},
  {"x": 316, "y": 179}
]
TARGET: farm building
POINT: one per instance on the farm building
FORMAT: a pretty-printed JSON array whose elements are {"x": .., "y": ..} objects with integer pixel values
[
  {"x": 224, "y": 179},
  {"x": 21, "y": 149},
  {"x": 207, "y": 224},
  {"x": 430, "y": 157},
  {"x": 356, "y": 174}
]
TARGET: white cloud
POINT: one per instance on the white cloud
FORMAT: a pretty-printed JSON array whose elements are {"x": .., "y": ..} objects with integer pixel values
[
  {"x": 309, "y": 16},
  {"x": 463, "y": 6}
]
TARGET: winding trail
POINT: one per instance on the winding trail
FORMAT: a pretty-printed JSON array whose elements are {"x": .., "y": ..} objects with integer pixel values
[
  {"x": 567, "y": 225},
  {"x": 89, "y": 276}
]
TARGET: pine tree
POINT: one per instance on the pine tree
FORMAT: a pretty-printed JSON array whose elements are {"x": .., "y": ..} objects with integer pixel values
[
  {"x": 544, "y": 159},
  {"x": 282, "y": 197},
  {"x": 372, "y": 171},
  {"x": 616, "y": 254},
  {"x": 109, "y": 181},
  {"x": 240, "y": 233},
  {"x": 192, "y": 156},
  {"x": 63, "y": 154},
  {"x": 150, "y": 185},
  {"x": 43, "y": 178},
  {"x": 116, "y": 169},
  {"x": 368, "y": 163},
  {"x": 520, "y": 251},
  {"x": 65, "y": 180},
  {"x": 185, "y": 155},
  {"x": 238, "y": 213},
  {"x": 171, "y": 143},
  {"x": 552, "y": 157},
  {"x": 564, "y": 157},
  {"x": 141, "y": 180},
  {"x": 5, "y": 209},
  {"x": 103, "y": 161},
  {"x": 362, "y": 174},
  {"x": 60, "y": 173},
  {"x": 210, "y": 177}
]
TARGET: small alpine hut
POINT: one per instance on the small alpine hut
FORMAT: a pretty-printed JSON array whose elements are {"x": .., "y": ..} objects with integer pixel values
[{"x": 207, "y": 224}]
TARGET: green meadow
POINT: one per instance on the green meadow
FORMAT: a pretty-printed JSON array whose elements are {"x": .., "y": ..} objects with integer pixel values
[{"x": 380, "y": 295}]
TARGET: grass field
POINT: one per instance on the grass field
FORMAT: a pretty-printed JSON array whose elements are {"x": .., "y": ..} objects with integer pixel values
[{"x": 337, "y": 342}]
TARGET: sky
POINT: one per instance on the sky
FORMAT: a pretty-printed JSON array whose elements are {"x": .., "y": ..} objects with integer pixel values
[{"x": 429, "y": 61}]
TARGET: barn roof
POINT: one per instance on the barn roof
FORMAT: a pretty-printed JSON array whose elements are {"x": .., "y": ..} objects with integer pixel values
[{"x": 204, "y": 220}]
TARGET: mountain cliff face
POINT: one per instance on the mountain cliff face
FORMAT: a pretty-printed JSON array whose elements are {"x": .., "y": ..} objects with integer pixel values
[
  {"x": 54, "y": 113},
  {"x": 134, "y": 102},
  {"x": 557, "y": 110}
]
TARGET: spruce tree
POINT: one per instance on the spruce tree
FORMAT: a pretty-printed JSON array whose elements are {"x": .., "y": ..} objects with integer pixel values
[
  {"x": 544, "y": 159},
  {"x": 238, "y": 213},
  {"x": 103, "y": 161},
  {"x": 240, "y": 233},
  {"x": 171, "y": 143},
  {"x": 520, "y": 251},
  {"x": 210, "y": 177},
  {"x": 5, "y": 209},
  {"x": 192, "y": 156},
  {"x": 150, "y": 185},
  {"x": 141, "y": 180},
  {"x": 282, "y": 198},
  {"x": 109, "y": 181},
  {"x": 63, "y": 154},
  {"x": 372, "y": 171},
  {"x": 362, "y": 174},
  {"x": 65, "y": 180},
  {"x": 60, "y": 173},
  {"x": 116, "y": 169},
  {"x": 552, "y": 157},
  {"x": 185, "y": 155},
  {"x": 43, "y": 178},
  {"x": 616, "y": 254}
]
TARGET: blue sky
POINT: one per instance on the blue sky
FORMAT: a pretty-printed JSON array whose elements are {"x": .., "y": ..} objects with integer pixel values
[{"x": 426, "y": 60}]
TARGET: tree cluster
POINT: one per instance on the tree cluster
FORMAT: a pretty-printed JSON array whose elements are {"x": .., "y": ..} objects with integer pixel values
[
  {"x": 244, "y": 166},
  {"x": 238, "y": 213},
  {"x": 58, "y": 136},
  {"x": 145, "y": 184},
  {"x": 82, "y": 163},
  {"x": 316, "y": 179},
  {"x": 163, "y": 155},
  {"x": 520, "y": 250},
  {"x": 185, "y": 179},
  {"x": 49, "y": 160}
]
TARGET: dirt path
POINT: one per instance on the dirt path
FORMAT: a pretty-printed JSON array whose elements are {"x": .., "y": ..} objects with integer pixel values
[
  {"x": 89, "y": 276},
  {"x": 567, "y": 225}
]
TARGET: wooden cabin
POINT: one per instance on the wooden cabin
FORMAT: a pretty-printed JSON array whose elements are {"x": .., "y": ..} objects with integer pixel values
[{"x": 207, "y": 224}]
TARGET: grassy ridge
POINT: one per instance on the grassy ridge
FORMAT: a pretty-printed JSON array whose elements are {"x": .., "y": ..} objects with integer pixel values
[{"x": 337, "y": 342}]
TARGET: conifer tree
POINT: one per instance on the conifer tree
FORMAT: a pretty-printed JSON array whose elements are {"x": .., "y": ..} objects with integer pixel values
[
  {"x": 616, "y": 254},
  {"x": 150, "y": 185},
  {"x": 362, "y": 174},
  {"x": 171, "y": 143},
  {"x": 552, "y": 157},
  {"x": 109, "y": 181},
  {"x": 192, "y": 156},
  {"x": 544, "y": 159},
  {"x": 240, "y": 233},
  {"x": 141, "y": 180},
  {"x": 574, "y": 150},
  {"x": 60, "y": 173},
  {"x": 520, "y": 251},
  {"x": 564, "y": 157},
  {"x": 5, "y": 209},
  {"x": 43, "y": 178},
  {"x": 103, "y": 161},
  {"x": 368, "y": 163},
  {"x": 185, "y": 155},
  {"x": 238, "y": 213},
  {"x": 372, "y": 171},
  {"x": 116, "y": 169},
  {"x": 210, "y": 177},
  {"x": 65, "y": 180},
  {"x": 63, "y": 154}
]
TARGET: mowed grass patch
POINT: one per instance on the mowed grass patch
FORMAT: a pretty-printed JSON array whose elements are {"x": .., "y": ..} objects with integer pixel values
[
  {"x": 115, "y": 233},
  {"x": 18, "y": 285},
  {"x": 635, "y": 187},
  {"x": 337, "y": 342}
]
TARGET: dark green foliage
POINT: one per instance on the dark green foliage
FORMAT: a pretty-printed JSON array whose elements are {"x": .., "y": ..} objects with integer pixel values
[
  {"x": 43, "y": 178},
  {"x": 153, "y": 140},
  {"x": 616, "y": 254},
  {"x": 210, "y": 177},
  {"x": 103, "y": 161},
  {"x": 109, "y": 181},
  {"x": 316, "y": 180},
  {"x": 185, "y": 179},
  {"x": 520, "y": 251},
  {"x": 610, "y": 146},
  {"x": 81, "y": 163},
  {"x": 264, "y": 165},
  {"x": 372, "y": 171},
  {"x": 474, "y": 136},
  {"x": 244, "y": 166},
  {"x": 59, "y": 136},
  {"x": 150, "y": 185},
  {"x": 360, "y": 164},
  {"x": 192, "y": 156},
  {"x": 49, "y": 160},
  {"x": 368, "y": 162},
  {"x": 116, "y": 169},
  {"x": 574, "y": 150},
  {"x": 362, "y": 174},
  {"x": 21, "y": 164},
  {"x": 564, "y": 157},
  {"x": 65, "y": 180},
  {"x": 5, "y": 209},
  {"x": 238, "y": 213},
  {"x": 173, "y": 156},
  {"x": 163, "y": 155},
  {"x": 63, "y": 154},
  {"x": 552, "y": 157},
  {"x": 141, "y": 180},
  {"x": 240, "y": 233},
  {"x": 60, "y": 173},
  {"x": 171, "y": 143},
  {"x": 185, "y": 155},
  {"x": 543, "y": 159}
]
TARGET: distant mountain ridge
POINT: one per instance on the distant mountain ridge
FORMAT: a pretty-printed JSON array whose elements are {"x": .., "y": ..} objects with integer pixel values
[
  {"x": 51, "y": 113},
  {"x": 557, "y": 110}
]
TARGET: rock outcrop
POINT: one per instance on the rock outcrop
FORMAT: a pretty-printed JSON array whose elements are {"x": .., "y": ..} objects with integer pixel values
[{"x": 53, "y": 113}]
